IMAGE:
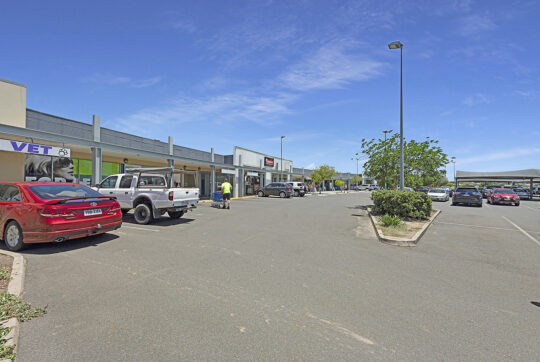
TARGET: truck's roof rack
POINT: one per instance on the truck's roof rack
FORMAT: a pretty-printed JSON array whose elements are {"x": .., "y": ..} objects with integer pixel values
[{"x": 158, "y": 170}]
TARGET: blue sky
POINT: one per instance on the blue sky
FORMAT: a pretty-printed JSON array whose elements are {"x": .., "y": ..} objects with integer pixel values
[{"x": 224, "y": 73}]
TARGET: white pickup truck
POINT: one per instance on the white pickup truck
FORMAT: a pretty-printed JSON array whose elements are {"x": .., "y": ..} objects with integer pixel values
[{"x": 151, "y": 192}]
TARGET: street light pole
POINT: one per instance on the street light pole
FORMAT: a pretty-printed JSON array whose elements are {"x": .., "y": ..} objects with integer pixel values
[
  {"x": 398, "y": 45},
  {"x": 385, "y": 148},
  {"x": 281, "y": 163},
  {"x": 453, "y": 160}
]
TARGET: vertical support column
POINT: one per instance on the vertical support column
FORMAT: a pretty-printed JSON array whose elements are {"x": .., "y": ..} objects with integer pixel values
[
  {"x": 531, "y": 194},
  {"x": 96, "y": 151},
  {"x": 199, "y": 181},
  {"x": 170, "y": 161},
  {"x": 303, "y": 176},
  {"x": 212, "y": 173},
  {"x": 262, "y": 175},
  {"x": 239, "y": 181}
]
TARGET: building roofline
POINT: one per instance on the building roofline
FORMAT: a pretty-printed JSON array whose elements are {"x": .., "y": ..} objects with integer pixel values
[
  {"x": 12, "y": 82},
  {"x": 260, "y": 153}
]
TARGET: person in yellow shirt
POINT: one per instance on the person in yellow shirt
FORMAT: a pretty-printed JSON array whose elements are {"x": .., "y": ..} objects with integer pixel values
[{"x": 226, "y": 188}]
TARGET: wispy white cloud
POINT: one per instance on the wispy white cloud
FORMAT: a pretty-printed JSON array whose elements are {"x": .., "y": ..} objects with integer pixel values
[
  {"x": 184, "y": 25},
  {"x": 311, "y": 166},
  {"x": 500, "y": 155},
  {"x": 330, "y": 67},
  {"x": 476, "y": 99},
  {"x": 146, "y": 82},
  {"x": 232, "y": 107},
  {"x": 526, "y": 94},
  {"x": 474, "y": 25},
  {"x": 114, "y": 80}
]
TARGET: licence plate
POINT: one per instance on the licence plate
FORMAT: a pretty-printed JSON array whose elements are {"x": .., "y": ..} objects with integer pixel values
[{"x": 92, "y": 212}]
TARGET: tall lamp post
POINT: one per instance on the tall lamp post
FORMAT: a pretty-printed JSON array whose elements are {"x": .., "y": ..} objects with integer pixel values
[
  {"x": 385, "y": 148},
  {"x": 398, "y": 45},
  {"x": 356, "y": 158},
  {"x": 281, "y": 162},
  {"x": 453, "y": 160}
]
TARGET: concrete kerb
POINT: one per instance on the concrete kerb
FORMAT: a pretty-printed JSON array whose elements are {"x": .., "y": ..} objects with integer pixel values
[
  {"x": 15, "y": 287},
  {"x": 232, "y": 198},
  {"x": 392, "y": 240}
]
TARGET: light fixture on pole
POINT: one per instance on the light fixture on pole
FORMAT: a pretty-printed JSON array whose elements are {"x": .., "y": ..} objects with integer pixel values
[
  {"x": 398, "y": 45},
  {"x": 453, "y": 160},
  {"x": 281, "y": 162},
  {"x": 356, "y": 158},
  {"x": 385, "y": 148}
]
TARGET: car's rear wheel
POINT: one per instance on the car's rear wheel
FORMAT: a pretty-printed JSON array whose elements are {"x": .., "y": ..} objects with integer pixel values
[
  {"x": 13, "y": 236},
  {"x": 175, "y": 214},
  {"x": 282, "y": 194},
  {"x": 296, "y": 193},
  {"x": 142, "y": 214},
  {"x": 260, "y": 194}
]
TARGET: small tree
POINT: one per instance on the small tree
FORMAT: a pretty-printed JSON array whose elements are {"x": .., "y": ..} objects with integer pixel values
[
  {"x": 357, "y": 179},
  {"x": 339, "y": 183},
  {"x": 324, "y": 172}
]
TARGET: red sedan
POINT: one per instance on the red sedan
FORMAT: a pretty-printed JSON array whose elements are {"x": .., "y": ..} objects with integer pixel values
[
  {"x": 41, "y": 212},
  {"x": 503, "y": 196}
]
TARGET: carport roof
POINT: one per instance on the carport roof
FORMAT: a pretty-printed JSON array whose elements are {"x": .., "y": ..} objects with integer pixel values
[{"x": 504, "y": 175}]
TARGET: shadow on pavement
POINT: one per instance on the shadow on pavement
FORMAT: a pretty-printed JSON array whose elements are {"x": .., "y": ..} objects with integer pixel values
[
  {"x": 53, "y": 248},
  {"x": 536, "y": 304},
  {"x": 162, "y": 221}
]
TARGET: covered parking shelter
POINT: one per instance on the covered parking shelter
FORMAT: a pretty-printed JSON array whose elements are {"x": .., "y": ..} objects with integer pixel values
[{"x": 530, "y": 175}]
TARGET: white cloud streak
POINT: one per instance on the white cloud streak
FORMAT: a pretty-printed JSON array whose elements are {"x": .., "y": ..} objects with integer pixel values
[
  {"x": 476, "y": 99},
  {"x": 329, "y": 68},
  {"x": 500, "y": 155},
  {"x": 110, "y": 80}
]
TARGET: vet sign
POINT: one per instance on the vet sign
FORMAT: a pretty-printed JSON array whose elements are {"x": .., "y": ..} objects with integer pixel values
[{"x": 34, "y": 148}]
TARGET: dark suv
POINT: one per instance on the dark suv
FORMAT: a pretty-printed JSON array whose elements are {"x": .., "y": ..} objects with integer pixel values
[
  {"x": 280, "y": 189},
  {"x": 469, "y": 195}
]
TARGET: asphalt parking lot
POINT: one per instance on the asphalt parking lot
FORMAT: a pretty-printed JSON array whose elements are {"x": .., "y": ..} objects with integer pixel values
[{"x": 291, "y": 279}]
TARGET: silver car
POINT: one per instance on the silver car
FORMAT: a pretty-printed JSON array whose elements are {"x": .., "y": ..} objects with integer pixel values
[{"x": 438, "y": 195}]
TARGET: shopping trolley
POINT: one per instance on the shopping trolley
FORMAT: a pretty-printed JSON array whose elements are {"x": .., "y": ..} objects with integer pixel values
[{"x": 217, "y": 199}]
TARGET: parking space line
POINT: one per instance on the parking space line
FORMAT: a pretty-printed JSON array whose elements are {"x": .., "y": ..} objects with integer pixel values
[
  {"x": 532, "y": 208},
  {"x": 474, "y": 226},
  {"x": 138, "y": 228},
  {"x": 523, "y": 231}
]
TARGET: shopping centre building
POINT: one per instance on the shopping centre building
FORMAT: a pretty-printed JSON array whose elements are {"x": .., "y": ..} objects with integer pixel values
[{"x": 38, "y": 146}]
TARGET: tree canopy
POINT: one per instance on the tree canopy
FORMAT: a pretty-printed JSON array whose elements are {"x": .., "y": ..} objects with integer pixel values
[
  {"x": 424, "y": 161},
  {"x": 324, "y": 172}
]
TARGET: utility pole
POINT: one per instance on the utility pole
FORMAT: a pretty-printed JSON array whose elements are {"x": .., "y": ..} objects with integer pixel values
[{"x": 385, "y": 150}]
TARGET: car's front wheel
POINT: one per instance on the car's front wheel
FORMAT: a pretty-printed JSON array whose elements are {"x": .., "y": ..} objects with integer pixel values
[
  {"x": 13, "y": 236},
  {"x": 282, "y": 194},
  {"x": 260, "y": 194},
  {"x": 296, "y": 193},
  {"x": 142, "y": 214},
  {"x": 517, "y": 203}
]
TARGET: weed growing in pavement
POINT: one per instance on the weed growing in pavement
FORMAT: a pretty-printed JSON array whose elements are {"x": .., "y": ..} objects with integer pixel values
[
  {"x": 5, "y": 274},
  {"x": 6, "y": 352},
  {"x": 12, "y": 306}
]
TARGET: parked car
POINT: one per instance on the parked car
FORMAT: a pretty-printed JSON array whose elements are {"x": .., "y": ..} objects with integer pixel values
[
  {"x": 299, "y": 188},
  {"x": 41, "y": 212},
  {"x": 469, "y": 195},
  {"x": 150, "y": 192},
  {"x": 408, "y": 189},
  {"x": 487, "y": 190},
  {"x": 522, "y": 193},
  {"x": 424, "y": 189},
  {"x": 373, "y": 188},
  {"x": 448, "y": 190},
  {"x": 275, "y": 189},
  {"x": 438, "y": 195},
  {"x": 503, "y": 196}
]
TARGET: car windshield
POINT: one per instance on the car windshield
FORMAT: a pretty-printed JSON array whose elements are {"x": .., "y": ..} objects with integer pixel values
[
  {"x": 467, "y": 189},
  {"x": 66, "y": 191},
  {"x": 437, "y": 191},
  {"x": 504, "y": 191}
]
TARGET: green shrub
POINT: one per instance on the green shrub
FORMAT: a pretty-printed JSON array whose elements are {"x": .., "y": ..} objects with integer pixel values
[
  {"x": 390, "y": 220},
  {"x": 405, "y": 204}
]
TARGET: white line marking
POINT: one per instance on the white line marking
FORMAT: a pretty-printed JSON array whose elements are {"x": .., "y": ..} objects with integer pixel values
[
  {"x": 523, "y": 231},
  {"x": 339, "y": 328},
  {"x": 480, "y": 226},
  {"x": 137, "y": 228},
  {"x": 474, "y": 226},
  {"x": 531, "y": 208}
]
